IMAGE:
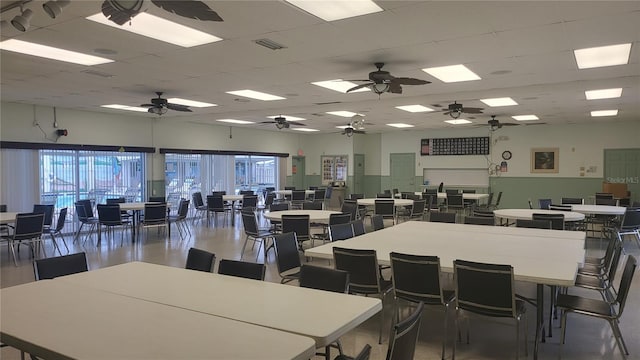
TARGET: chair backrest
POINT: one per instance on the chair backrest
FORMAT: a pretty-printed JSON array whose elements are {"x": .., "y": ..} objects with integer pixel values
[
  {"x": 631, "y": 219},
  {"x": 571, "y": 201},
  {"x": 47, "y": 210},
  {"x": 298, "y": 224},
  {"x": 322, "y": 278},
  {"x": 485, "y": 289},
  {"x": 405, "y": 336},
  {"x": 118, "y": 200},
  {"x": 377, "y": 221},
  {"x": 560, "y": 207},
  {"x": 88, "y": 207},
  {"x": 498, "y": 199},
  {"x": 157, "y": 199},
  {"x": 298, "y": 195},
  {"x": 289, "y": 187},
  {"x": 3, "y": 208},
  {"x": 319, "y": 194},
  {"x": 468, "y": 191},
  {"x": 287, "y": 255},
  {"x": 219, "y": 193},
  {"x": 197, "y": 199},
  {"x": 312, "y": 205},
  {"x": 62, "y": 218},
  {"x": 250, "y": 223},
  {"x": 418, "y": 207},
  {"x": 268, "y": 200},
  {"x": 533, "y": 224},
  {"x": 557, "y": 220},
  {"x": 279, "y": 206},
  {"x": 440, "y": 187},
  {"x": 483, "y": 213},
  {"x": 490, "y": 199},
  {"x": 356, "y": 196},
  {"x": 155, "y": 213},
  {"x": 249, "y": 201},
  {"x": 109, "y": 214},
  {"x": 350, "y": 207},
  {"x": 384, "y": 207},
  {"x": 607, "y": 201},
  {"x": 544, "y": 203},
  {"x": 358, "y": 227},
  {"x": 604, "y": 195},
  {"x": 340, "y": 231},
  {"x": 246, "y": 192},
  {"x": 247, "y": 270},
  {"x": 183, "y": 208},
  {"x": 53, "y": 267},
  {"x": 362, "y": 266},
  {"x": 441, "y": 216},
  {"x": 215, "y": 203},
  {"x": 28, "y": 226},
  {"x": 80, "y": 211},
  {"x": 452, "y": 192},
  {"x": 479, "y": 220},
  {"x": 431, "y": 191},
  {"x": 384, "y": 195},
  {"x": 455, "y": 200},
  {"x": 625, "y": 282},
  {"x": 342, "y": 218},
  {"x": 200, "y": 260},
  {"x": 431, "y": 201},
  {"x": 416, "y": 278}
]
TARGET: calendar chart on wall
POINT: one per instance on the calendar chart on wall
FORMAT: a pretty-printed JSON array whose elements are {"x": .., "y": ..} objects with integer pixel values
[{"x": 455, "y": 146}]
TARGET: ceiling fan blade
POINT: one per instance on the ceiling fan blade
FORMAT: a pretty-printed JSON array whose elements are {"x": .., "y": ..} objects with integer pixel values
[
  {"x": 296, "y": 123},
  {"x": 120, "y": 14},
  {"x": 472, "y": 110},
  {"x": 359, "y": 132},
  {"x": 367, "y": 80},
  {"x": 395, "y": 88},
  {"x": 359, "y": 87},
  {"x": 147, "y": 105},
  {"x": 190, "y": 9},
  {"x": 409, "y": 81},
  {"x": 178, "y": 107},
  {"x": 267, "y": 122}
]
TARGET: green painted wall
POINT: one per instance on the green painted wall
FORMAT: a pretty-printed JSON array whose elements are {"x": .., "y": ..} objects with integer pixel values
[{"x": 516, "y": 191}]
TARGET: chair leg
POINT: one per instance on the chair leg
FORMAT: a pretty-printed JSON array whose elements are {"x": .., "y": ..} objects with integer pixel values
[
  {"x": 618, "y": 335},
  {"x": 444, "y": 341},
  {"x": 381, "y": 320}
]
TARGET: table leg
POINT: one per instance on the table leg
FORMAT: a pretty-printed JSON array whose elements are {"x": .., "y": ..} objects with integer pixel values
[
  {"x": 539, "y": 320},
  {"x": 134, "y": 225}
]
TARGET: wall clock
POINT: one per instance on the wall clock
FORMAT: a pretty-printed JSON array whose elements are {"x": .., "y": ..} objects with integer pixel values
[{"x": 506, "y": 155}]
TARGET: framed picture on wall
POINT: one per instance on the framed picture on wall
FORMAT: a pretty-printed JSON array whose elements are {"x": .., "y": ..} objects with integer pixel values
[{"x": 545, "y": 160}]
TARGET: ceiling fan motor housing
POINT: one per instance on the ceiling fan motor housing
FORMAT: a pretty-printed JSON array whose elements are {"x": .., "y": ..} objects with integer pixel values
[{"x": 455, "y": 107}]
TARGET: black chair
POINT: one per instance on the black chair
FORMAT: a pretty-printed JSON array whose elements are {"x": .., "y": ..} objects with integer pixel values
[
  {"x": 487, "y": 289},
  {"x": 416, "y": 211},
  {"x": 312, "y": 205},
  {"x": 601, "y": 309},
  {"x": 276, "y": 225},
  {"x": 53, "y": 267},
  {"x": 497, "y": 204},
  {"x": 180, "y": 219},
  {"x": 287, "y": 256},
  {"x": 630, "y": 225},
  {"x": 544, "y": 203},
  {"x": 200, "y": 260},
  {"x": 249, "y": 201},
  {"x": 533, "y": 224},
  {"x": 377, "y": 222},
  {"x": 155, "y": 215},
  {"x": 603, "y": 197},
  {"x": 480, "y": 212},
  {"x": 364, "y": 275},
  {"x": 455, "y": 202},
  {"x": 57, "y": 231},
  {"x": 319, "y": 195},
  {"x": 27, "y": 231},
  {"x": 198, "y": 205},
  {"x": 323, "y": 278},
  {"x": 358, "y": 227},
  {"x": 557, "y": 220},
  {"x": 602, "y": 282},
  {"x": 85, "y": 217},
  {"x": 298, "y": 224},
  {"x": 47, "y": 210},
  {"x": 157, "y": 199},
  {"x": 405, "y": 336},
  {"x": 340, "y": 232},
  {"x": 416, "y": 279},
  {"x": 386, "y": 208},
  {"x": 110, "y": 217},
  {"x": 571, "y": 201},
  {"x": 334, "y": 219},
  {"x": 254, "y": 233},
  {"x": 243, "y": 269},
  {"x": 384, "y": 195},
  {"x": 215, "y": 205},
  {"x": 479, "y": 220},
  {"x": 298, "y": 197},
  {"x": 445, "y": 217},
  {"x": 350, "y": 207}
]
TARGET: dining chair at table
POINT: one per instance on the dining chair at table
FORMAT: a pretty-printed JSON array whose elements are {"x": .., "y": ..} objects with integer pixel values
[
  {"x": 85, "y": 218},
  {"x": 110, "y": 217},
  {"x": 340, "y": 232},
  {"x": 455, "y": 202},
  {"x": 571, "y": 201},
  {"x": 416, "y": 279},
  {"x": 299, "y": 224},
  {"x": 57, "y": 231},
  {"x": 441, "y": 216},
  {"x": 199, "y": 207},
  {"x": 386, "y": 208},
  {"x": 312, "y": 205},
  {"x": 358, "y": 227},
  {"x": 488, "y": 290},
  {"x": 249, "y": 201},
  {"x": 603, "y": 282},
  {"x": 53, "y": 267},
  {"x": 334, "y": 219},
  {"x": 215, "y": 206},
  {"x": 479, "y": 220},
  {"x": 155, "y": 216},
  {"x": 630, "y": 225},
  {"x": 534, "y": 224},
  {"x": 544, "y": 203},
  {"x": 48, "y": 211},
  {"x": 377, "y": 222},
  {"x": 243, "y": 269},
  {"x": 254, "y": 233},
  {"x": 298, "y": 197},
  {"x": 557, "y": 220},
  {"x": 416, "y": 210},
  {"x": 350, "y": 207},
  {"x": 180, "y": 219},
  {"x": 287, "y": 256},
  {"x": 384, "y": 195},
  {"x": 200, "y": 260},
  {"x": 364, "y": 275},
  {"x": 27, "y": 231}
]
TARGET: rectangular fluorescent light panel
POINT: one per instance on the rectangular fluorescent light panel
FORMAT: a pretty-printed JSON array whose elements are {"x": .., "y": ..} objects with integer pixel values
[
  {"x": 161, "y": 29},
  {"x": 604, "y": 113},
  {"x": 505, "y": 101},
  {"x": 525, "y": 117},
  {"x": 330, "y": 10},
  {"x": 414, "y": 108},
  {"x": 400, "y": 125},
  {"x": 603, "y": 94},
  {"x": 304, "y": 129},
  {"x": 234, "y": 121},
  {"x": 125, "y": 107},
  {"x": 452, "y": 73},
  {"x": 49, "y": 52},
  {"x": 289, "y": 118},
  {"x": 255, "y": 95},
  {"x": 339, "y": 85},
  {"x": 458, "y": 121},
  {"x": 603, "y": 56},
  {"x": 343, "y": 113},
  {"x": 192, "y": 103}
]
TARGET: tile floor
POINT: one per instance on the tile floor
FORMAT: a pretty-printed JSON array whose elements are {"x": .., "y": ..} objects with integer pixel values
[{"x": 490, "y": 338}]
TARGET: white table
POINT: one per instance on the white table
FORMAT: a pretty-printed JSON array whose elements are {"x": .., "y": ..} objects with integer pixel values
[
  {"x": 527, "y": 252},
  {"x": 315, "y": 216},
  {"x": 396, "y": 202},
  {"x": 233, "y": 199},
  {"x": 599, "y": 209},
  {"x": 77, "y": 322},
  {"x": 527, "y": 214},
  {"x": 8, "y": 217},
  {"x": 135, "y": 207},
  {"x": 465, "y": 196},
  {"x": 282, "y": 193},
  {"x": 321, "y": 315}
]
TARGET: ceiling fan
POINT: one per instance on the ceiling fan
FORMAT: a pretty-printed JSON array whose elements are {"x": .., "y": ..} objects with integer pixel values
[
  {"x": 160, "y": 105},
  {"x": 494, "y": 124},
  {"x": 455, "y": 110},
  {"x": 121, "y": 11},
  {"x": 356, "y": 126},
  {"x": 282, "y": 123},
  {"x": 381, "y": 81}
]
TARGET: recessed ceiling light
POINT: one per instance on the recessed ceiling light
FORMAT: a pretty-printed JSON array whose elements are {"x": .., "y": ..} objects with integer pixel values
[
  {"x": 458, "y": 121},
  {"x": 192, "y": 103},
  {"x": 289, "y": 118},
  {"x": 304, "y": 129},
  {"x": 234, "y": 121},
  {"x": 330, "y": 10},
  {"x": 414, "y": 108},
  {"x": 452, "y": 73},
  {"x": 604, "y": 113},
  {"x": 148, "y": 25},
  {"x": 343, "y": 113},
  {"x": 603, "y": 56},
  {"x": 525, "y": 117},
  {"x": 53, "y": 53},
  {"x": 400, "y": 125},
  {"x": 255, "y": 95},
  {"x": 125, "y": 107},
  {"x": 339, "y": 85},
  {"x": 504, "y": 101},
  {"x": 603, "y": 94}
]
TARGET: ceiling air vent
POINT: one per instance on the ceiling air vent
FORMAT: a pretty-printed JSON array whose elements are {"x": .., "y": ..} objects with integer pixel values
[
  {"x": 329, "y": 103},
  {"x": 268, "y": 43},
  {"x": 98, "y": 73}
]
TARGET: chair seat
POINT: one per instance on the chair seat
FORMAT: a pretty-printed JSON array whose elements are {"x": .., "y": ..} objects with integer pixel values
[
  {"x": 385, "y": 285},
  {"x": 590, "y": 282},
  {"x": 590, "y": 269},
  {"x": 577, "y": 303}
]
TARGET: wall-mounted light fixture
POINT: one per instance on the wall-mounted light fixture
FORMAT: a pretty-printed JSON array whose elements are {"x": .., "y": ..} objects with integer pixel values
[{"x": 53, "y": 8}]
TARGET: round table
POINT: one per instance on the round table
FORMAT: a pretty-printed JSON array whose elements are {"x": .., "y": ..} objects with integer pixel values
[
  {"x": 527, "y": 214},
  {"x": 8, "y": 217},
  {"x": 315, "y": 216},
  {"x": 599, "y": 209},
  {"x": 396, "y": 202}
]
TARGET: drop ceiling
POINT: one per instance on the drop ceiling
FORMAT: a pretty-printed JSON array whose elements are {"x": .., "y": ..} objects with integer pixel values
[{"x": 520, "y": 49}]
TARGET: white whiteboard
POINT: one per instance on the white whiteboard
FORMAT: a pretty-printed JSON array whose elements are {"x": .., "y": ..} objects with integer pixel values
[{"x": 451, "y": 177}]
